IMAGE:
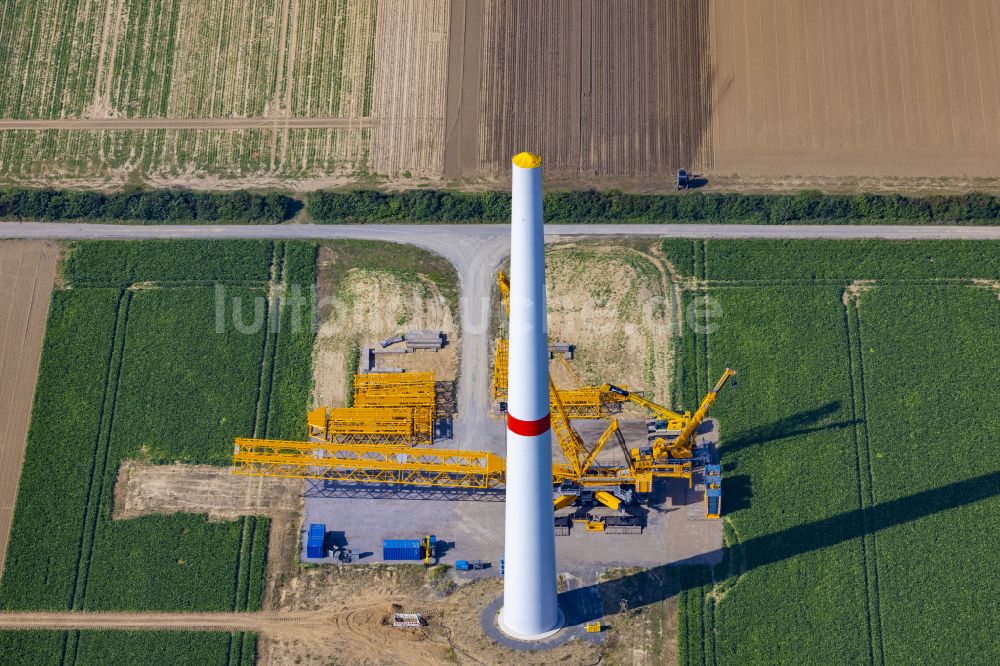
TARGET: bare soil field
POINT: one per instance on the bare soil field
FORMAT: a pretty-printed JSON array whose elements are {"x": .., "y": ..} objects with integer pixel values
[
  {"x": 616, "y": 89},
  {"x": 27, "y": 272},
  {"x": 616, "y": 305},
  {"x": 854, "y": 87}
]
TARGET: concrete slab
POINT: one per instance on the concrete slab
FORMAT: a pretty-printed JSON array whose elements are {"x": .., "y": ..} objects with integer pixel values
[{"x": 471, "y": 526}]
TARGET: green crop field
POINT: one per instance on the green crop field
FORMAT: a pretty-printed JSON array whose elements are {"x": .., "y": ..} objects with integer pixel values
[
  {"x": 127, "y": 648},
  {"x": 138, "y": 363},
  {"x": 861, "y": 467}
]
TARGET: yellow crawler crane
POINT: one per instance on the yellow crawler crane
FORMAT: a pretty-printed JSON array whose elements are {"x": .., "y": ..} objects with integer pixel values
[{"x": 685, "y": 425}]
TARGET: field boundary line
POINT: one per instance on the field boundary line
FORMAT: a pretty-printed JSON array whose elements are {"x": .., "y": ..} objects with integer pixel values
[{"x": 265, "y": 372}]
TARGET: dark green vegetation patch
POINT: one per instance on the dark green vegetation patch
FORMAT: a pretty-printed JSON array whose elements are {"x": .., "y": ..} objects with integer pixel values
[
  {"x": 160, "y": 352},
  {"x": 127, "y": 648},
  {"x": 147, "y": 206},
  {"x": 861, "y": 467}
]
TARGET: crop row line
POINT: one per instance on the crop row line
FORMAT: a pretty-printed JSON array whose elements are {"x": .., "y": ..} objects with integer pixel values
[
  {"x": 865, "y": 480},
  {"x": 244, "y": 561},
  {"x": 870, "y": 477},
  {"x": 265, "y": 372},
  {"x": 100, "y": 451},
  {"x": 243, "y": 582},
  {"x": 98, "y": 469},
  {"x": 234, "y": 655},
  {"x": 70, "y": 646}
]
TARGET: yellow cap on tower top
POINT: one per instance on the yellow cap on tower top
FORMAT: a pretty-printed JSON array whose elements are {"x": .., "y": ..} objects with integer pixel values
[{"x": 527, "y": 160}]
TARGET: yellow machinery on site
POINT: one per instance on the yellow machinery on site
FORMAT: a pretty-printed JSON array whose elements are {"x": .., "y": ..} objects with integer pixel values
[{"x": 383, "y": 438}]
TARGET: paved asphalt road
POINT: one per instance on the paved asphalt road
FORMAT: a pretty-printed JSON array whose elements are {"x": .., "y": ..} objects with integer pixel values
[{"x": 476, "y": 250}]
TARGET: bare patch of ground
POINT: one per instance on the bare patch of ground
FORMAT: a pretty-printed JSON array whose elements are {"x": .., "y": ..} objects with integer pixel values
[
  {"x": 615, "y": 304},
  {"x": 453, "y": 634},
  {"x": 368, "y": 305},
  {"x": 142, "y": 489},
  {"x": 643, "y": 635},
  {"x": 27, "y": 273},
  {"x": 853, "y": 291}
]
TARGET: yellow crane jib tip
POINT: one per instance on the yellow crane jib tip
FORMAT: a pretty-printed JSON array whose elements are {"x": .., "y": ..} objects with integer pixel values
[{"x": 527, "y": 160}]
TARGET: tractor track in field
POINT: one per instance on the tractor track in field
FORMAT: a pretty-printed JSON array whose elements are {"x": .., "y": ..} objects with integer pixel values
[
  {"x": 276, "y": 123},
  {"x": 863, "y": 470}
]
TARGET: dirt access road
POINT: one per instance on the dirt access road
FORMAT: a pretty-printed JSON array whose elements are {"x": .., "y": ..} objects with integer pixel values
[
  {"x": 265, "y": 622},
  {"x": 27, "y": 270}
]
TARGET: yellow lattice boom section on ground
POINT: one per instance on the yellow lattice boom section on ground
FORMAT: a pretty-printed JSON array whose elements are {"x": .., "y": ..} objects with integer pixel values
[
  {"x": 363, "y": 463},
  {"x": 388, "y": 382}
]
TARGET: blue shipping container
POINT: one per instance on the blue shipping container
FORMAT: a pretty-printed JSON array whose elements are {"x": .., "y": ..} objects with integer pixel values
[
  {"x": 401, "y": 549},
  {"x": 315, "y": 543}
]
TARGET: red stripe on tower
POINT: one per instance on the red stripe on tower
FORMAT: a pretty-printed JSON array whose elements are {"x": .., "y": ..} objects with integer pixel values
[{"x": 528, "y": 428}]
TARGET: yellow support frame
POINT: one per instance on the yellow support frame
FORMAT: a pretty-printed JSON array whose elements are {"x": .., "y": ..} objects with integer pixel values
[
  {"x": 363, "y": 463},
  {"x": 500, "y": 357}
]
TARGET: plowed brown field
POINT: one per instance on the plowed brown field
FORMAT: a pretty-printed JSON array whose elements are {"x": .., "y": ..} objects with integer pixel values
[
  {"x": 27, "y": 270},
  {"x": 610, "y": 88},
  {"x": 856, "y": 87}
]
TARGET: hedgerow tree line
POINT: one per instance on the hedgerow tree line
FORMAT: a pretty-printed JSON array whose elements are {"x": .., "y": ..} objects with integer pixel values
[
  {"x": 429, "y": 206},
  {"x": 150, "y": 206}
]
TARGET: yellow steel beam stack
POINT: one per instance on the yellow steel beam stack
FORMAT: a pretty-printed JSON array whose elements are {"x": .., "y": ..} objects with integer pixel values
[
  {"x": 365, "y": 463},
  {"x": 413, "y": 390}
]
